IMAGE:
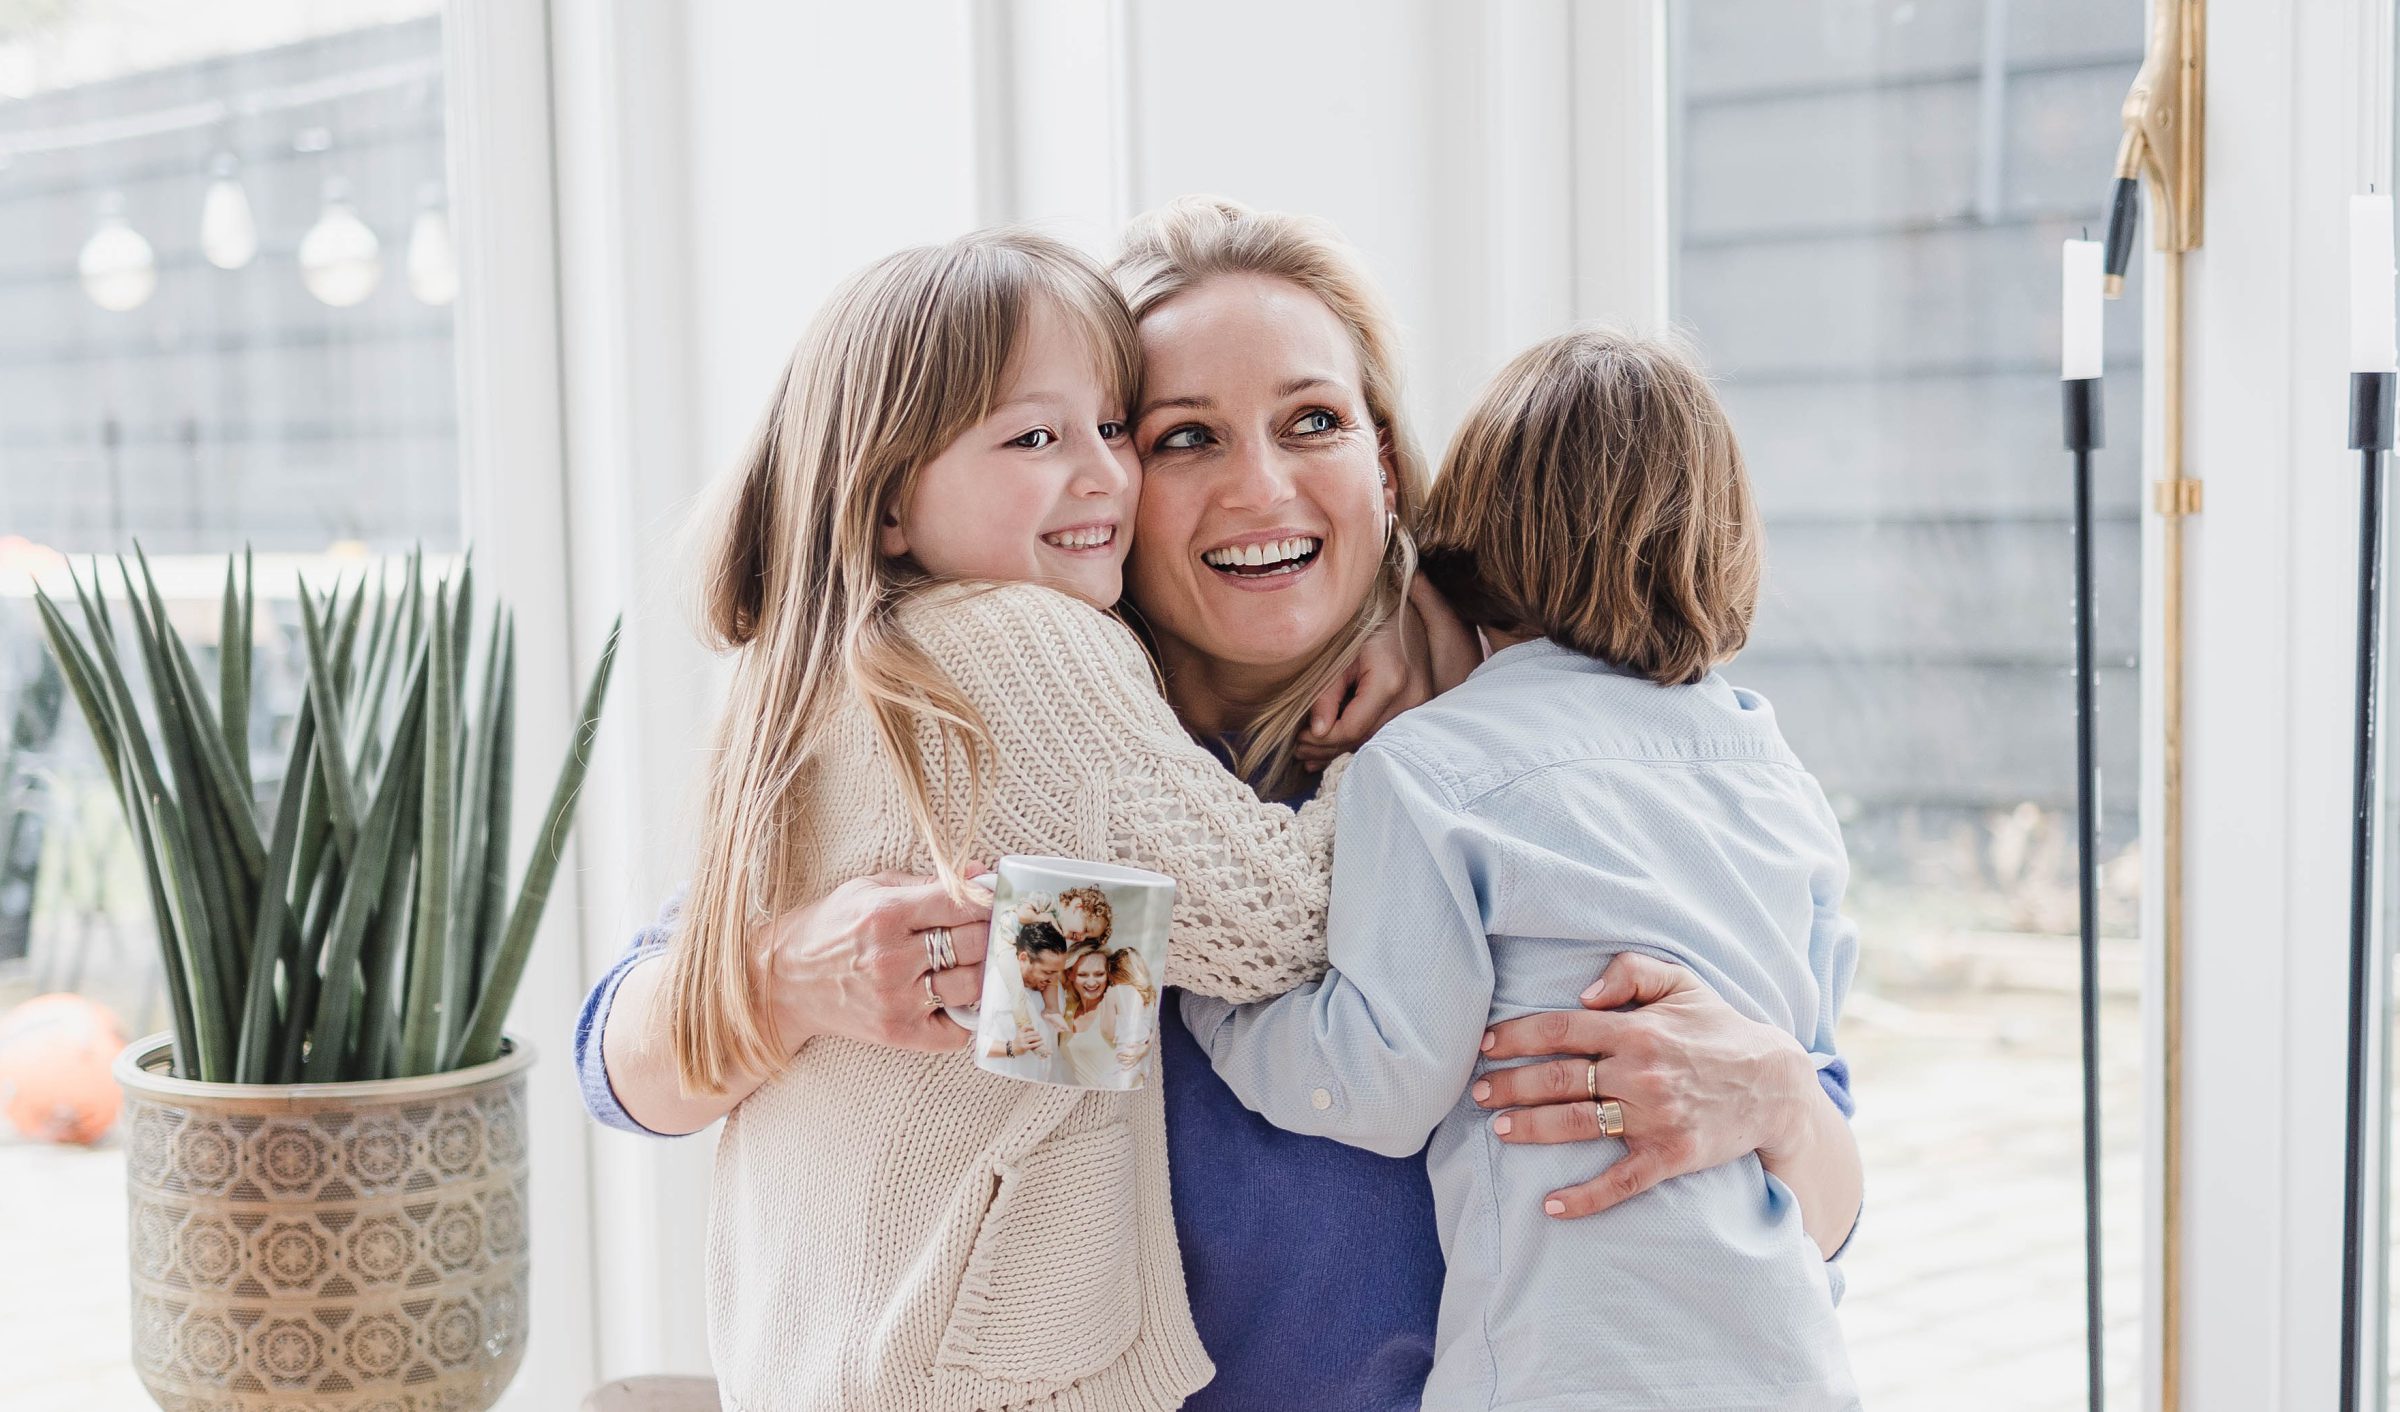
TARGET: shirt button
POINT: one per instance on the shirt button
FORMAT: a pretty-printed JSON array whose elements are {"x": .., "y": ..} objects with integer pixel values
[{"x": 1321, "y": 1099}]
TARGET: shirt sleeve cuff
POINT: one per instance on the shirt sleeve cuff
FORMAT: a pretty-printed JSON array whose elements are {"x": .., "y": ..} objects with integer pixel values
[
  {"x": 1833, "y": 1075},
  {"x": 591, "y": 1027}
]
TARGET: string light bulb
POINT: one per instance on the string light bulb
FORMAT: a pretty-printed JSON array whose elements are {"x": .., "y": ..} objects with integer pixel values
[
  {"x": 228, "y": 230},
  {"x": 341, "y": 261},
  {"x": 118, "y": 268}
]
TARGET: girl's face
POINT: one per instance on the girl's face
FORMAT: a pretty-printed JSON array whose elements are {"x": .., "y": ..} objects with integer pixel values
[
  {"x": 1040, "y": 491},
  {"x": 1072, "y": 923},
  {"x": 1264, "y": 512},
  {"x": 1091, "y": 977}
]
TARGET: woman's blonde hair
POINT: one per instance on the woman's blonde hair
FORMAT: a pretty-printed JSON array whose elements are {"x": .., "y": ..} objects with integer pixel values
[
  {"x": 1595, "y": 495},
  {"x": 904, "y": 358},
  {"x": 1126, "y": 967},
  {"x": 1194, "y": 239}
]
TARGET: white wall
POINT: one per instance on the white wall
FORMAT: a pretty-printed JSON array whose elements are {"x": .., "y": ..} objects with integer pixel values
[{"x": 722, "y": 165}]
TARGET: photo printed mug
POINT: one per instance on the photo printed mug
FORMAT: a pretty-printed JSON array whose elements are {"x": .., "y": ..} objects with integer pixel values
[{"x": 1072, "y": 979}]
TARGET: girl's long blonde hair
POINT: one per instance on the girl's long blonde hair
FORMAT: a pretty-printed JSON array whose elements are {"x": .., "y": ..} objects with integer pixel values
[
  {"x": 904, "y": 358},
  {"x": 1194, "y": 239}
]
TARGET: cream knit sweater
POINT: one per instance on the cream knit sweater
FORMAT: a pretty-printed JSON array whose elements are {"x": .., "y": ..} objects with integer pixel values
[{"x": 904, "y": 1231}]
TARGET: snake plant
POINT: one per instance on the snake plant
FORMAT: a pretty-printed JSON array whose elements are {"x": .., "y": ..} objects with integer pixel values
[{"x": 363, "y": 928}]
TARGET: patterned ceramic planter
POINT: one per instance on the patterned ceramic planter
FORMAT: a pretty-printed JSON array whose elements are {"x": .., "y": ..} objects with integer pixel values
[{"x": 341, "y": 1247}]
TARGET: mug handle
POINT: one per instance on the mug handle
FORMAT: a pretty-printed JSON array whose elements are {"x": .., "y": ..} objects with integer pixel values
[{"x": 969, "y": 1017}]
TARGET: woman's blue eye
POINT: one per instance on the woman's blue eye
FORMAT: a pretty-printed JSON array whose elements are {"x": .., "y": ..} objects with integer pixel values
[
  {"x": 1112, "y": 431},
  {"x": 1180, "y": 439},
  {"x": 1035, "y": 439},
  {"x": 1323, "y": 420}
]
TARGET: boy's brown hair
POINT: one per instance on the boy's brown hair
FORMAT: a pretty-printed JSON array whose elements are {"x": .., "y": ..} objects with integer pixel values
[{"x": 1594, "y": 495}]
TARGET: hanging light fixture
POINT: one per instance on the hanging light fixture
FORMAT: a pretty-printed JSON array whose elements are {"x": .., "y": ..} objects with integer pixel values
[
  {"x": 118, "y": 268},
  {"x": 432, "y": 259},
  {"x": 341, "y": 261},
  {"x": 228, "y": 232}
]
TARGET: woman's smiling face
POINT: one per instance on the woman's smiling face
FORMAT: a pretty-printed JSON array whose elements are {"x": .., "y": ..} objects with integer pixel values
[
  {"x": 1091, "y": 977},
  {"x": 1263, "y": 512}
]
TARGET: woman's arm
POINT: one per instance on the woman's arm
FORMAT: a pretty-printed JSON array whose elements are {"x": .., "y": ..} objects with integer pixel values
[
  {"x": 1701, "y": 1084},
  {"x": 851, "y": 964}
]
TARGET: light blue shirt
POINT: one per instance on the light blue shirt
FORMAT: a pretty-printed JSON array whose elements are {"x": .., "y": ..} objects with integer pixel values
[{"x": 1495, "y": 847}]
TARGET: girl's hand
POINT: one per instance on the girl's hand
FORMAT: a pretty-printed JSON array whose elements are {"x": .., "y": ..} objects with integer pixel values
[
  {"x": 1701, "y": 1084},
  {"x": 853, "y": 964},
  {"x": 1422, "y": 652}
]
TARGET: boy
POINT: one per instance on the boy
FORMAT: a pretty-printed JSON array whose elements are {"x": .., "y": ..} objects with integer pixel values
[{"x": 1592, "y": 788}]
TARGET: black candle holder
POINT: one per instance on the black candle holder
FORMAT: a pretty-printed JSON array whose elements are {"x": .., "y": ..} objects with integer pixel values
[
  {"x": 2083, "y": 437},
  {"x": 2370, "y": 436}
]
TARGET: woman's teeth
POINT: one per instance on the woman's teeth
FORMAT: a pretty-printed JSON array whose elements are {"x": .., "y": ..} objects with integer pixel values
[
  {"x": 1092, "y": 538},
  {"x": 1283, "y": 556}
]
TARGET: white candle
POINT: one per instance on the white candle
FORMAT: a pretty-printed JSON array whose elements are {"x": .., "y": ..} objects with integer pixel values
[
  {"x": 2079, "y": 314},
  {"x": 2371, "y": 284}
]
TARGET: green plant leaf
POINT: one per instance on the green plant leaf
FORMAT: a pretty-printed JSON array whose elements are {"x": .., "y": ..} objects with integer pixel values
[
  {"x": 491, "y": 908},
  {"x": 197, "y": 829},
  {"x": 421, "y": 1024},
  {"x": 275, "y": 926},
  {"x": 82, "y": 676},
  {"x": 362, "y": 888},
  {"x": 341, "y": 800},
  {"x": 233, "y": 675},
  {"x": 211, "y": 1027},
  {"x": 233, "y": 797},
  {"x": 481, "y": 1043}
]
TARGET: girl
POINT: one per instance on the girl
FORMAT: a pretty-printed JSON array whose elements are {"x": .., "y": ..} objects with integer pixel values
[
  {"x": 1131, "y": 1001},
  {"x": 1086, "y": 1048},
  {"x": 920, "y": 544}
]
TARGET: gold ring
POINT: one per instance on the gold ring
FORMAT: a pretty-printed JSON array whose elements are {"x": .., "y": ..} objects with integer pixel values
[
  {"x": 1611, "y": 1114},
  {"x": 1591, "y": 1079}
]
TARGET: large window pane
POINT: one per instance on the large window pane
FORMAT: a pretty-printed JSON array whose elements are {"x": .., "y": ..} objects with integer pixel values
[
  {"x": 1869, "y": 199},
  {"x": 225, "y": 321}
]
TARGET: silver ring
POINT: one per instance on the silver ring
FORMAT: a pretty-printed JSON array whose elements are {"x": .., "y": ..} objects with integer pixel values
[
  {"x": 933, "y": 998},
  {"x": 940, "y": 955}
]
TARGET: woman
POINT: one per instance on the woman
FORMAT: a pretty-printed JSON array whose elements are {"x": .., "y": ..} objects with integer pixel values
[
  {"x": 1086, "y": 1047},
  {"x": 1279, "y": 475}
]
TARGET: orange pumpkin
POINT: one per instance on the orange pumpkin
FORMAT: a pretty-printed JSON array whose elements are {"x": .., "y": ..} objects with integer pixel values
[{"x": 55, "y": 1053}]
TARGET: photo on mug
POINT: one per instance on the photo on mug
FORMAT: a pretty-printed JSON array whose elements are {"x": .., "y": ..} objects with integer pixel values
[{"x": 1071, "y": 992}]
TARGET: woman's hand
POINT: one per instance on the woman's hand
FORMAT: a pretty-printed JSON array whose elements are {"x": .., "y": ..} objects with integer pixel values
[
  {"x": 1422, "y": 652},
  {"x": 1700, "y": 1083},
  {"x": 853, "y": 964}
]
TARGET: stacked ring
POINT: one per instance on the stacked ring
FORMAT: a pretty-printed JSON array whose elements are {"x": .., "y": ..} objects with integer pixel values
[{"x": 940, "y": 955}]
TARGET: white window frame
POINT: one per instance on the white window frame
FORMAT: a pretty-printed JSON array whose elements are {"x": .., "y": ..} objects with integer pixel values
[
  {"x": 2299, "y": 117},
  {"x": 514, "y": 493}
]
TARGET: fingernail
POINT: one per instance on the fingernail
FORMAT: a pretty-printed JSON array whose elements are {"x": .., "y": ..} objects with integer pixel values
[
  {"x": 1482, "y": 1090},
  {"x": 1502, "y": 1124},
  {"x": 1490, "y": 1039},
  {"x": 1555, "y": 1206},
  {"x": 1593, "y": 993}
]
